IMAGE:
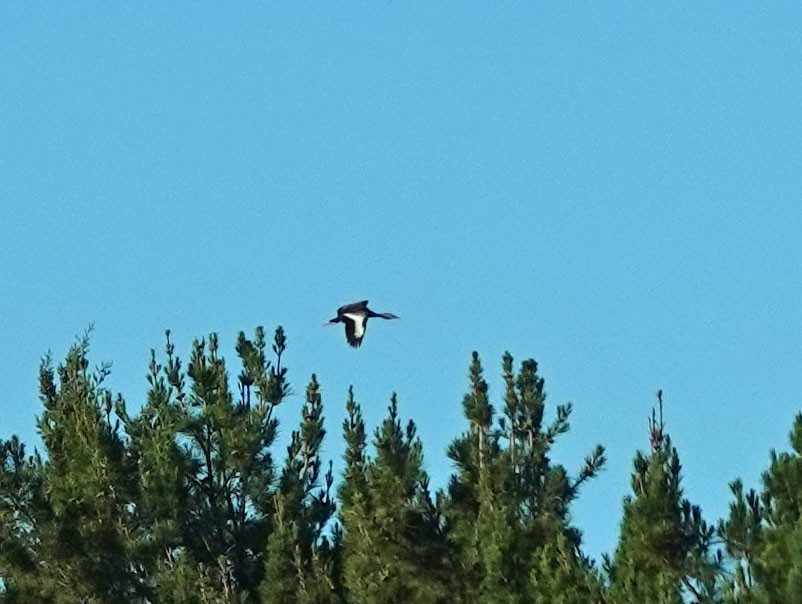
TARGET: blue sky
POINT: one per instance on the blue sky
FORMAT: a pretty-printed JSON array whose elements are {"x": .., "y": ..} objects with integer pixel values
[{"x": 610, "y": 190}]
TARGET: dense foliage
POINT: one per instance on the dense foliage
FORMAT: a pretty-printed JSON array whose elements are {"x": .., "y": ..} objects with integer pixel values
[{"x": 183, "y": 501}]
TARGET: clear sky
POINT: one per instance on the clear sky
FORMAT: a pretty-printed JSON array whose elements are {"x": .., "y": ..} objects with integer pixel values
[{"x": 609, "y": 188}]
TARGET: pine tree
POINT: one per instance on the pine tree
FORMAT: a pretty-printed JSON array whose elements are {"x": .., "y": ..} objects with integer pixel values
[
  {"x": 161, "y": 468},
  {"x": 393, "y": 548},
  {"x": 664, "y": 554},
  {"x": 231, "y": 468},
  {"x": 742, "y": 534},
  {"x": 764, "y": 535},
  {"x": 299, "y": 557},
  {"x": 479, "y": 505},
  {"x": 24, "y": 515},
  {"x": 174, "y": 508},
  {"x": 779, "y": 566},
  {"x": 508, "y": 500},
  {"x": 205, "y": 470},
  {"x": 66, "y": 516},
  {"x": 560, "y": 577}
]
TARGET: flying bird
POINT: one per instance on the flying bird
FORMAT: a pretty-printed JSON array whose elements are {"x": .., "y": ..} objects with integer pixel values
[{"x": 355, "y": 316}]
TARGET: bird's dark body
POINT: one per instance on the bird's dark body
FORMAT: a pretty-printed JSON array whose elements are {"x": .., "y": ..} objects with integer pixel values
[{"x": 355, "y": 318}]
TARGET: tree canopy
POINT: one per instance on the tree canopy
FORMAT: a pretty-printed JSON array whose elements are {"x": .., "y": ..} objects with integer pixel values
[{"x": 183, "y": 498}]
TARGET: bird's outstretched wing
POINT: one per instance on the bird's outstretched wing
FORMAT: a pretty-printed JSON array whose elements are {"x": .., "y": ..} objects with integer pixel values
[{"x": 353, "y": 307}]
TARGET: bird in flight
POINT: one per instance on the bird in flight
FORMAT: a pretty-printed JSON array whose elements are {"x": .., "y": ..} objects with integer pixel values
[{"x": 355, "y": 316}]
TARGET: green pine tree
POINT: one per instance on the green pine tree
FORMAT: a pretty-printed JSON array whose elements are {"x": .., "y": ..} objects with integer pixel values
[
  {"x": 231, "y": 464},
  {"x": 559, "y": 576},
  {"x": 507, "y": 500},
  {"x": 764, "y": 535},
  {"x": 664, "y": 554},
  {"x": 393, "y": 547},
  {"x": 742, "y": 534},
  {"x": 205, "y": 470},
  {"x": 299, "y": 556},
  {"x": 161, "y": 469},
  {"x": 66, "y": 516},
  {"x": 779, "y": 565},
  {"x": 25, "y": 517}
]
